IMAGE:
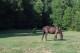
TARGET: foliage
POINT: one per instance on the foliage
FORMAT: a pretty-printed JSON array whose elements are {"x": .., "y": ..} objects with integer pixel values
[
  {"x": 62, "y": 13},
  {"x": 34, "y": 30}
]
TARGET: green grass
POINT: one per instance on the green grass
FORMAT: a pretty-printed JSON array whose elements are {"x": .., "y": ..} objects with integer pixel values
[{"x": 23, "y": 41}]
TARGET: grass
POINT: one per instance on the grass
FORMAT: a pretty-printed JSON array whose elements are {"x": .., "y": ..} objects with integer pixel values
[{"x": 23, "y": 41}]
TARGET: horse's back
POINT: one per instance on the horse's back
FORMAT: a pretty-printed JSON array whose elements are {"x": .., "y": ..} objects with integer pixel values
[
  {"x": 49, "y": 29},
  {"x": 45, "y": 29},
  {"x": 52, "y": 30}
]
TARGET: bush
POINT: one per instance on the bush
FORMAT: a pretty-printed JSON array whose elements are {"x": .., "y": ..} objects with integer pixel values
[{"x": 34, "y": 30}]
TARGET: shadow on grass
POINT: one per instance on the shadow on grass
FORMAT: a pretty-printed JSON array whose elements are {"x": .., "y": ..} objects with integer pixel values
[
  {"x": 13, "y": 33},
  {"x": 57, "y": 40}
]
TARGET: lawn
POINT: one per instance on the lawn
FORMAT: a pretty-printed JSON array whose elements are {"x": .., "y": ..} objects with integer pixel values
[{"x": 23, "y": 41}]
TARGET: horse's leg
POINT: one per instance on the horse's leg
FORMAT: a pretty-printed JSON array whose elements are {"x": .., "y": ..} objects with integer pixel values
[
  {"x": 55, "y": 38},
  {"x": 46, "y": 36},
  {"x": 43, "y": 36}
]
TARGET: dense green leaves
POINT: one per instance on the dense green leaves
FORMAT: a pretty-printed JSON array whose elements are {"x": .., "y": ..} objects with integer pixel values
[
  {"x": 38, "y": 13},
  {"x": 66, "y": 14},
  {"x": 38, "y": 6},
  {"x": 67, "y": 18}
]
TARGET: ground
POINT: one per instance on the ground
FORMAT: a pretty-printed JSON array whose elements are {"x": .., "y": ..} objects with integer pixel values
[{"x": 24, "y": 41}]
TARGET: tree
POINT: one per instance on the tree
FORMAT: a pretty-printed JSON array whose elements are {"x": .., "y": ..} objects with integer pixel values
[{"x": 58, "y": 8}]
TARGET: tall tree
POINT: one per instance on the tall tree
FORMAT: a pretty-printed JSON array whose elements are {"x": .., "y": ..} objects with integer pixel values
[{"x": 58, "y": 8}]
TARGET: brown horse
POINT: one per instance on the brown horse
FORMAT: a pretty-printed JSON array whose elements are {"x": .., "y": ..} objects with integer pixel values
[{"x": 52, "y": 30}]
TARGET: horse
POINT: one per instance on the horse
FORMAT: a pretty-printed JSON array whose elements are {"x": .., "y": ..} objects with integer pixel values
[{"x": 52, "y": 30}]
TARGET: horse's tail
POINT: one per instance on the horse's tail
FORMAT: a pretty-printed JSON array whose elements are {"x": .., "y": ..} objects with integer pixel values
[{"x": 61, "y": 34}]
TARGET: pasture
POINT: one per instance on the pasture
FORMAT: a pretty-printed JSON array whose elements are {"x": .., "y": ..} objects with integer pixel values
[{"x": 24, "y": 41}]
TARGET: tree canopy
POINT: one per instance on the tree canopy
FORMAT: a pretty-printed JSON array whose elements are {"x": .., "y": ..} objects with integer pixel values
[{"x": 38, "y": 13}]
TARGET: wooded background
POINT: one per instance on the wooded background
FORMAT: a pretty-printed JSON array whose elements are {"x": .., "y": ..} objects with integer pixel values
[{"x": 28, "y": 14}]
